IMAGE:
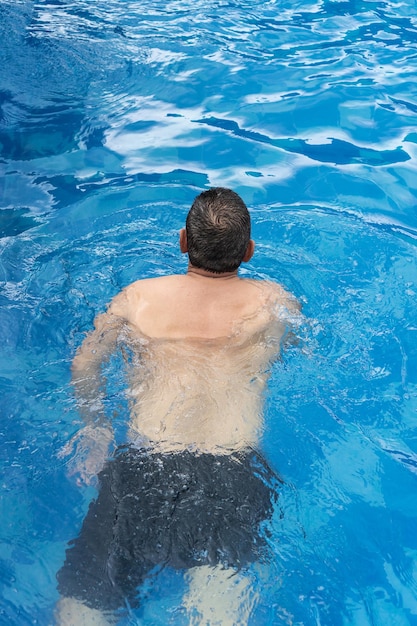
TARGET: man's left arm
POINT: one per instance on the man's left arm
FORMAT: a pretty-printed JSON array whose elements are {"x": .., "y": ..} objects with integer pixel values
[
  {"x": 86, "y": 376},
  {"x": 92, "y": 442}
]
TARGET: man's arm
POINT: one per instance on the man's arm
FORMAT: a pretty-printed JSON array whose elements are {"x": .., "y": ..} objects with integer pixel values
[
  {"x": 287, "y": 316},
  {"x": 294, "y": 321},
  {"x": 86, "y": 378},
  {"x": 93, "y": 440}
]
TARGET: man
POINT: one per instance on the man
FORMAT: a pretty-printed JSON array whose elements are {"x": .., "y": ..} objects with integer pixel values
[{"x": 190, "y": 490}]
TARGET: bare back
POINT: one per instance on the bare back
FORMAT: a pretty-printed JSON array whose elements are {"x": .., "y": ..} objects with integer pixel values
[{"x": 202, "y": 346}]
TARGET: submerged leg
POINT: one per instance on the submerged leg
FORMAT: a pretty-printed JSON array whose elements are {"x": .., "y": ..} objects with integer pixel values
[
  {"x": 71, "y": 612},
  {"x": 218, "y": 597}
]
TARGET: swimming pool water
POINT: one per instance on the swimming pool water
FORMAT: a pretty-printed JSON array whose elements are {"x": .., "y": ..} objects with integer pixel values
[{"x": 113, "y": 117}]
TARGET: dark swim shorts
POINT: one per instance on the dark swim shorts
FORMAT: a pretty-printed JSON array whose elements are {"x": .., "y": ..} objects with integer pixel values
[{"x": 179, "y": 510}]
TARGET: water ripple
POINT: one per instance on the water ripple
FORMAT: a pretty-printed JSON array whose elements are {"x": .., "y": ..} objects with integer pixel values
[{"x": 333, "y": 151}]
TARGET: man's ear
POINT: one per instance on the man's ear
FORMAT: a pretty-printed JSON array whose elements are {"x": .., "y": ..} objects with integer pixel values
[
  {"x": 249, "y": 251},
  {"x": 183, "y": 241}
]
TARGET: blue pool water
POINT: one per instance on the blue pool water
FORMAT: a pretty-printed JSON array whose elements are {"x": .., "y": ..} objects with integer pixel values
[{"x": 114, "y": 115}]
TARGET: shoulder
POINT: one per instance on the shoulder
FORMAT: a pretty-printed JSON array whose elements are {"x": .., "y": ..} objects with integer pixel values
[
  {"x": 137, "y": 293},
  {"x": 276, "y": 296},
  {"x": 157, "y": 282},
  {"x": 284, "y": 308}
]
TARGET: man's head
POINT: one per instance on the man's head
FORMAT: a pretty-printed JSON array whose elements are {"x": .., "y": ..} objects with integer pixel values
[{"x": 218, "y": 231}]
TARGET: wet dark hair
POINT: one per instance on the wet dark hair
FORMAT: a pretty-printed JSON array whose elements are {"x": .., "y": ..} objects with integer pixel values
[{"x": 218, "y": 230}]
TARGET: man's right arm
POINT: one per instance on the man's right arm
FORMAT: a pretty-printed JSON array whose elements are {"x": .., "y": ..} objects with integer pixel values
[{"x": 286, "y": 317}]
